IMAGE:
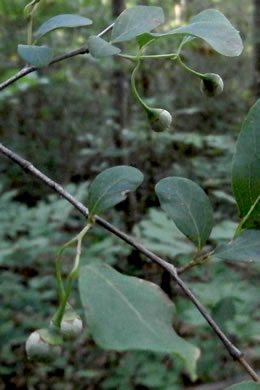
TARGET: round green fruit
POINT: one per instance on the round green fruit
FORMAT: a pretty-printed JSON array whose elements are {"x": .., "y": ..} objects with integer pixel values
[
  {"x": 159, "y": 119},
  {"x": 211, "y": 85}
]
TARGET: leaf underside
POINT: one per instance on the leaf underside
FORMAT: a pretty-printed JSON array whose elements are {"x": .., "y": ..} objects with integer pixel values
[
  {"x": 62, "y": 21},
  {"x": 126, "y": 313},
  {"x": 189, "y": 207},
  {"x": 214, "y": 28},
  {"x": 98, "y": 47},
  {"x": 136, "y": 21},
  {"x": 246, "y": 169},
  {"x": 36, "y": 55},
  {"x": 246, "y": 247}
]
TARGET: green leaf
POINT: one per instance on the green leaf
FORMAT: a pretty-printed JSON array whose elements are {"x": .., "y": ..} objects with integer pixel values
[
  {"x": 36, "y": 55},
  {"x": 126, "y": 313},
  {"x": 246, "y": 247},
  {"x": 211, "y": 15},
  {"x": 189, "y": 207},
  {"x": 62, "y": 21},
  {"x": 204, "y": 17},
  {"x": 144, "y": 39},
  {"x": 245, "y": 386},
  {"x": 98, "y": 47},
  {"x": 214, "y": 28},
  {"x": 246, "y": 168},
  {"x": 224, "y": 311},
  {"x": 136, "y": 21},
  {"x": 111, "y": 186}
]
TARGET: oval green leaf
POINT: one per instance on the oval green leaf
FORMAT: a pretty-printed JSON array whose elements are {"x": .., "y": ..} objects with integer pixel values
[
  {"x": 214, "y": 28},
  {"x": 111, "y": 187},
  {"x": 245, "y": 386},
  {"x": 204, "y": 16},
  {"x": 246, "y": 247},
  {"x": 189, "y": 207},
  {"x": 126, "y": 313},
  {"x": 98, "y": 47},
  {"x": 62, "y": 21},
  {"x": 36, "y": 55},
  {"x": 136, "y": 21},
  {"x": 246, "y": 168}
]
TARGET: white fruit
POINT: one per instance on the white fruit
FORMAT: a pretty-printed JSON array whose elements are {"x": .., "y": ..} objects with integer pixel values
[
  {"x": 71, "y": 328},
  {"x": 39, "y": 349}
]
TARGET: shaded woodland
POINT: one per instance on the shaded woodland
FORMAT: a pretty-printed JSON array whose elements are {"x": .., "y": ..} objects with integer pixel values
[{"x": 76, "y": 118}]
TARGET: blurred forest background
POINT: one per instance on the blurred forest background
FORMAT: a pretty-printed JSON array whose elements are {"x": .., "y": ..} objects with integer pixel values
[{"x": 78, "y": 117}]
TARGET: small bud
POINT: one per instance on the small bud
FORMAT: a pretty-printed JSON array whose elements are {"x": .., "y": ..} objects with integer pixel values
[
  {"x": 160, "y": 120},
  {"x": 211, "y": 85},
  {"x": 71, "y": 325},
  {"x": 43, "y": 345}
]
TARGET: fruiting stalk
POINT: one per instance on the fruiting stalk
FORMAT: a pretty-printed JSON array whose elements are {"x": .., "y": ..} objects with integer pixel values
[
  {"x": 64, "y": 292},
  {"x": 134, "y": 89},
  {"x": 201, "y": 75}
]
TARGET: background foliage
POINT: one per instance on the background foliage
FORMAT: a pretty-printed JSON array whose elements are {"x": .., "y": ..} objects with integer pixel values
[{"x": 71, "y": 122}]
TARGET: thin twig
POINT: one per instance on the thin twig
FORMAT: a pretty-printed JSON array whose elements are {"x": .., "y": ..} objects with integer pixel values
[
  {"x": 232, "y": 349},
  {"x": 29, "y": 69},
  {"x": 195, "y": 262}
]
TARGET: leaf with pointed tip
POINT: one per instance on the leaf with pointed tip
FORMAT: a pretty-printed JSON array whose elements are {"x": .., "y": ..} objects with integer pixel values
[
  {"x": 189, "y": 207},
  {"x": 36, "y": 55},
  {"x": 98, "y": 47},
  {"x": 246, "y": 168},
  {"x": 246, "y": 247},
  {"x": 127, "y": 313},
  {"x": 136, "y": 21},
  {"x": 244, "y": 386},
  {"x": 111, "y": 187},
  {"x": 62, "y": 21},
  {"x": 214, "y": 28}
]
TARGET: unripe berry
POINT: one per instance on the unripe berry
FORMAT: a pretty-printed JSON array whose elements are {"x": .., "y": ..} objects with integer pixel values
[
  {"x": 160, "y": 120},
  {"x": 211, "y": 85},
  {"x": 71, "y": 325},
  {"x": 43, "y": 345}
]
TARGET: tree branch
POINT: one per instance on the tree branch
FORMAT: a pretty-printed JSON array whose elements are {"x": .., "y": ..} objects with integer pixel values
[
  {"x": 29, "y": 69},
  {"x": 231, "y": 348}
]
